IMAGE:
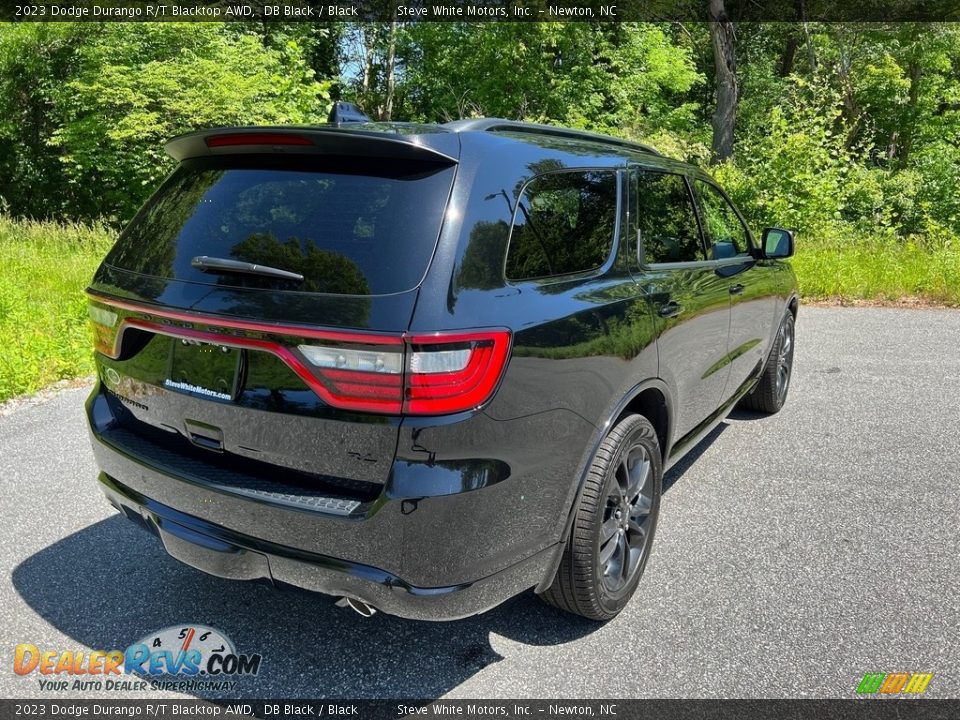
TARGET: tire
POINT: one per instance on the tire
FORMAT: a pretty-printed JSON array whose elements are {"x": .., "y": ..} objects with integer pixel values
[
  {"x": 770, "y": 393},
  {"x": 593, "y": 579}
]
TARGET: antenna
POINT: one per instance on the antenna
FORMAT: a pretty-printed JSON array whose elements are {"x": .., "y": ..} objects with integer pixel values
[{"x": 344, "y": 112}]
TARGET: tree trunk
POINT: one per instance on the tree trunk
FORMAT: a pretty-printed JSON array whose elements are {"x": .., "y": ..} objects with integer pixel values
[
  {"x": 725, "y": 59},
  {"x": 789, "y": 54},
  {"x": 915, "y": 73},
  {"x": 367, "y": 45},
  {"x": 390, "y": 71},
  {"x": 851, "y": 108},
  {"x": 811, "y": 55}
]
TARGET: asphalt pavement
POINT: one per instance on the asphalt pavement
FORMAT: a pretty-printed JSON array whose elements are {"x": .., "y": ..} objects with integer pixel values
[{"x": 794, "y": 554}]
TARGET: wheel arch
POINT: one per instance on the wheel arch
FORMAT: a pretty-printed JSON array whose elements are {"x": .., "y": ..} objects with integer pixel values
[
  {"x": 651, "y": 402},
  {"x": 650, "y": 398},
  {"x": 793, "y": 305}
]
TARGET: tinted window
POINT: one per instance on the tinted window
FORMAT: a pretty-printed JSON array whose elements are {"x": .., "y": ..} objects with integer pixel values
[
  {"x": 564, "y": 224},
  {"x": 346, "y": 231},
  {"x": 666, "y": 219},
  {"x": 726, "y": 234}
]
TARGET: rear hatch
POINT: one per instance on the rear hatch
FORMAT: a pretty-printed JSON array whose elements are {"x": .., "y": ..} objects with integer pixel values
[{"x": 249, "y": 321}]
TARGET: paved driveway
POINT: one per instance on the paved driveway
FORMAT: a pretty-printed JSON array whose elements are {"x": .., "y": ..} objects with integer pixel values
[{"x": 794, "y": 554}]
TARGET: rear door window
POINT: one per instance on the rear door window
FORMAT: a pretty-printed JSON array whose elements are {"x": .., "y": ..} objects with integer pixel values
[
  {"x": 564, "y": 224},
  {"x": 349, "y": 228}
]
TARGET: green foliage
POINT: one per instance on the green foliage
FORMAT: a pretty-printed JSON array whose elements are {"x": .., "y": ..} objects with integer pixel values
[
  {"x": 847, "y": 133},
  {"x": 111, "y": 95},
  {"x": 44, "y": 329},
  {"x": 620, "y": 78}
]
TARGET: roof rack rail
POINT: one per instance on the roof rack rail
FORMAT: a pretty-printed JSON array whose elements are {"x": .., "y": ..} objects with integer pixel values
[{"x": 499, "y": 124}]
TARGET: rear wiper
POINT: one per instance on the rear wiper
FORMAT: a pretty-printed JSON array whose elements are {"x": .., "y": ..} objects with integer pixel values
[{"x": 215, "y": 264}]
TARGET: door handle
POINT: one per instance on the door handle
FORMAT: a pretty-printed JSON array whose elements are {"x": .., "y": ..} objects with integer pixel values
[
  {"x": 670, "y": 309},
  {"x": 736, "y": 289}
]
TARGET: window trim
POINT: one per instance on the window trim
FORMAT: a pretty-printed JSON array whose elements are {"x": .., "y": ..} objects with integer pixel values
[
  {"x": 598, "y": 271},
  {"x": 682, "y": 264}
]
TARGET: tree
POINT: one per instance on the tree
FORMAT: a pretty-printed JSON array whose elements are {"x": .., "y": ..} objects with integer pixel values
[
  {"x": 107, "y": 96},
  {"x": 724, "y": 119},
  {"x": 624, "y": 78}
]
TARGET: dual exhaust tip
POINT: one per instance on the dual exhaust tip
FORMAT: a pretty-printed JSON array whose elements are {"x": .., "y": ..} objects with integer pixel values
[{"x": 358, "y": 606}]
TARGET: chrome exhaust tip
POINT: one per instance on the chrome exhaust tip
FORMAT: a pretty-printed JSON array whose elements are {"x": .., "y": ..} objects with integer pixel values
[{"x": 358, "y": 606}]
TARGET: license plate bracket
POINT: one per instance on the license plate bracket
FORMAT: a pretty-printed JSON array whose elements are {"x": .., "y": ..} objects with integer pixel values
[{"x": 205, "y": 370}]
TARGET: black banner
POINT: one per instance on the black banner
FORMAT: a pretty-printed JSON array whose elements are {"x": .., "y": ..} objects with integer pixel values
[
  {"x": 478, "y": 10},
  {"x": 854, "y": 709}
]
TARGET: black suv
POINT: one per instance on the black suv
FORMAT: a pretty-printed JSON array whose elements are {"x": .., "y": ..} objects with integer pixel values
[{"x": 426, "y": 367}]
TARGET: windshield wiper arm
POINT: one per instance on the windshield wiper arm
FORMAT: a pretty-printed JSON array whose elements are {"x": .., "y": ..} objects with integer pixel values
[{"x": 206, "y": 263}]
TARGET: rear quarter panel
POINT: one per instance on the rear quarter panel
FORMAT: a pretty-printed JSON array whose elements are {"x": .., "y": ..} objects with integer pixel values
[{"x": 579, "y": 345}]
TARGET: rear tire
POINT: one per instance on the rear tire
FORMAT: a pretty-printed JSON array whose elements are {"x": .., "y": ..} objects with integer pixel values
[
  {"x": 770, "y": 393},
  {"x": 614, "y": 524}
]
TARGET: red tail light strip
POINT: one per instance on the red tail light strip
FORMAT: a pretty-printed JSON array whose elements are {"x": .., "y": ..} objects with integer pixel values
[
  {"x": 441, "y": 393},
  {"x": 389, "y": 405},
  {"x": 423, "y": 393}
]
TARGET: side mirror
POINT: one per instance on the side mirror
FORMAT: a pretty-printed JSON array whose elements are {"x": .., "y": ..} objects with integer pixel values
[{"x": 777, "y": 243}]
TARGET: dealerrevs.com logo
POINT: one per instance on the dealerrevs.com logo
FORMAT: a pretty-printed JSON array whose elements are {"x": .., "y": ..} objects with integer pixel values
[
  {"x": 900, "y": 683},
  {"x": 184, "y": 657}
]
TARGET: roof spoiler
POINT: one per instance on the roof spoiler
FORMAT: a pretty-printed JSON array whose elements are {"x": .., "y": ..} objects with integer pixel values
[{"x": 302, "y": 141}]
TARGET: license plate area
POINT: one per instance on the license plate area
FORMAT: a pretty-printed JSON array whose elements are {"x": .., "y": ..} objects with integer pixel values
[{"x": 204, "y": 369}]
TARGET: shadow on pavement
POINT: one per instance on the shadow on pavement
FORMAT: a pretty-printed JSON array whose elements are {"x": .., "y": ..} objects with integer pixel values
[
  {"x": 687, "y": 461},
  {"x": 111, "y": 584},
  {"x": 739, "y": 414}
]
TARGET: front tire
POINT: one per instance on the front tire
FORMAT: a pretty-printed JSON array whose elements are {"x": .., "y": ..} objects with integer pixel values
[
  {"x": 770, "y": 393},
  {"x": 613, "y": 528}
]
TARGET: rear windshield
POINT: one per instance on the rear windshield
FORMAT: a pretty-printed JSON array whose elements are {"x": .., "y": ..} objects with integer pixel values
[{"x": 347, "y": 230}]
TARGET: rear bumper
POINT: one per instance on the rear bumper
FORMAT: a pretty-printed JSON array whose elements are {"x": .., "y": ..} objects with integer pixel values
[
  {"x": 218, "y": 551},
  {"x": 447, "y": 551}
]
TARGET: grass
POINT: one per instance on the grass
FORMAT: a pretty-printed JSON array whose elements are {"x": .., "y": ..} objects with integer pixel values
[
  {"x": 879, "y": 271},
  {"x": 44, "y": 331},
  {"x": 44, "y": 267}
]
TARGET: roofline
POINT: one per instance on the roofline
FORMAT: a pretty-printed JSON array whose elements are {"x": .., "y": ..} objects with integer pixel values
[{"x": 499, "y": 125}]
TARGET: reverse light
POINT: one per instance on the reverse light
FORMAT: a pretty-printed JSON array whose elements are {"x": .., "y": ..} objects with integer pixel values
[
  {"x": 345, "y": 359},
  {"x": 439, "y": 361},
  {"x": 104, "y": 324}
]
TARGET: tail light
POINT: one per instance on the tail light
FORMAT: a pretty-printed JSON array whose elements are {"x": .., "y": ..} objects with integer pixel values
[
  {"x": 452, "y": 372},
  {"x": 369, "y": 379},
  {"x": 104, "y": 324},
  {"x": 432, "y": 374},
  {"x": 415, "y": 373}
]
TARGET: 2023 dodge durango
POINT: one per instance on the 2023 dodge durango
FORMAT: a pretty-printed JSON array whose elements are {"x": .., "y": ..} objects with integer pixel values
[{"x": 425, "y": 368}]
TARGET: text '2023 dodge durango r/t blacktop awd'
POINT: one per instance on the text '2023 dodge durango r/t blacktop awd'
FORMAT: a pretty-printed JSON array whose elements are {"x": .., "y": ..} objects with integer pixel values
[{"x": 425, "y": 368}]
